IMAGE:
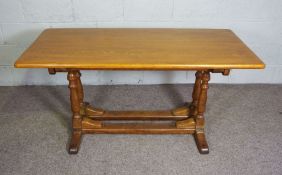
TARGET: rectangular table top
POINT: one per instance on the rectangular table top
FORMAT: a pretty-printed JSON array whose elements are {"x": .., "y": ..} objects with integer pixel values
[{"x": 139, "y": 49}]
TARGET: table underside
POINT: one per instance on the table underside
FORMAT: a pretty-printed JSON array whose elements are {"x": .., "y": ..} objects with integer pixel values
[{"x": 187, "y": 119}]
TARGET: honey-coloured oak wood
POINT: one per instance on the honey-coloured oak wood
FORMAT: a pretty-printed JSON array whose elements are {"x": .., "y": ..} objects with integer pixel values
[
  {"x": 189, "y": 118},
  {"x": 139, "y": 49},
  {"x": 186, "y": 123},
  {"x": 88, "y": 110},
  {"x": 137, "y": 128},
  {"x": 73, "y": 77},
  {"x": 139, "y": 115},
  {"x": 204, "y": 50},
  {"x": 199, "y": 117}
]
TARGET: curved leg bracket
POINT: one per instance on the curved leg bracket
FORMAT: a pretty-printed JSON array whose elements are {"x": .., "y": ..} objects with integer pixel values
[
  {"x": 87, "y": 110},
  {"x": 88, "y": 123},
  {"x": 187, "y": 123},
  {"x": 183, "y": 110}
]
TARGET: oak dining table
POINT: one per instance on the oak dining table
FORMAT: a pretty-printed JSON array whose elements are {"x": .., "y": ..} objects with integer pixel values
[{"x": 204, "y": 51}]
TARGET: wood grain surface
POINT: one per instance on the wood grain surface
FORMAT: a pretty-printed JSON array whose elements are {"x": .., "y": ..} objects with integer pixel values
[{"x": 139, "y": 49}]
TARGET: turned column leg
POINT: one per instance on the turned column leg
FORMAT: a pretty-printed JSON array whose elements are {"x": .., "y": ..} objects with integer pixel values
[
  {"x": 83, "y": 105},
  {"x": 76, "y": 97},
  {"x": 79, "y": 88},
  {"x": 196, "y": 93},
  {"x": 192, "y": 110},
  {"x": 199, "y": 118},
  {"x": 85, "y": 108}
]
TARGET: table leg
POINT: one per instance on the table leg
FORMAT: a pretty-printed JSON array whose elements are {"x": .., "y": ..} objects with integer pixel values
[
  {"x": 83, "y": 120},
  {"x": 76, "y": 97},
  {"x": 79, "y": 88},
  {"x": 85, "y": 108},
  {"x": 192, "y": 108},
  {"x": 196, "y": 93},
  {"x": 200, "y": 97}
]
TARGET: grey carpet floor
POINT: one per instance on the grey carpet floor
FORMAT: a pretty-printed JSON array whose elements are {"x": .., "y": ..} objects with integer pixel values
[{"x": 244, "y": 132}]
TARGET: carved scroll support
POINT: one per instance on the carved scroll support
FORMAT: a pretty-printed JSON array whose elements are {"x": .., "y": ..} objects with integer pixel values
[
  {"x": 87, "y": 110},
  {"x": 183, "y": 110},
  {"x": 188, "y": 123}
]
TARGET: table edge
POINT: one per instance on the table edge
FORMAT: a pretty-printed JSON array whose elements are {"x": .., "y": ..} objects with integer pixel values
[{"x": 141, "y": 67}]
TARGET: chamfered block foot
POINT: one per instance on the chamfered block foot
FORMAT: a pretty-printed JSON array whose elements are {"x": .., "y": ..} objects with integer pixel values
[
  {"x": 201, "y": 142},
  {"x": 75, "y": 142}
]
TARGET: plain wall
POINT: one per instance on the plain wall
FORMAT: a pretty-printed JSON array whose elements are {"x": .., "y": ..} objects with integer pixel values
[{"x": 257, "y": 22}]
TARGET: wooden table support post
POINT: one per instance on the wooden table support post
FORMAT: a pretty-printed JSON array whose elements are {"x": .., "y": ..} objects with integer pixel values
[
  {"x": 76, "y": 97},
  {"x": 196, "y": 93},
  {"x": 201, "y": 98},
  {"x": 197, "y": 109},
  {"x": 191, "y": 117}
]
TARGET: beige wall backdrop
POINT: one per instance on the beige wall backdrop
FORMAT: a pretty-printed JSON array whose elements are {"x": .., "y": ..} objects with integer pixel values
[{"x": 257, "y": 22}]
